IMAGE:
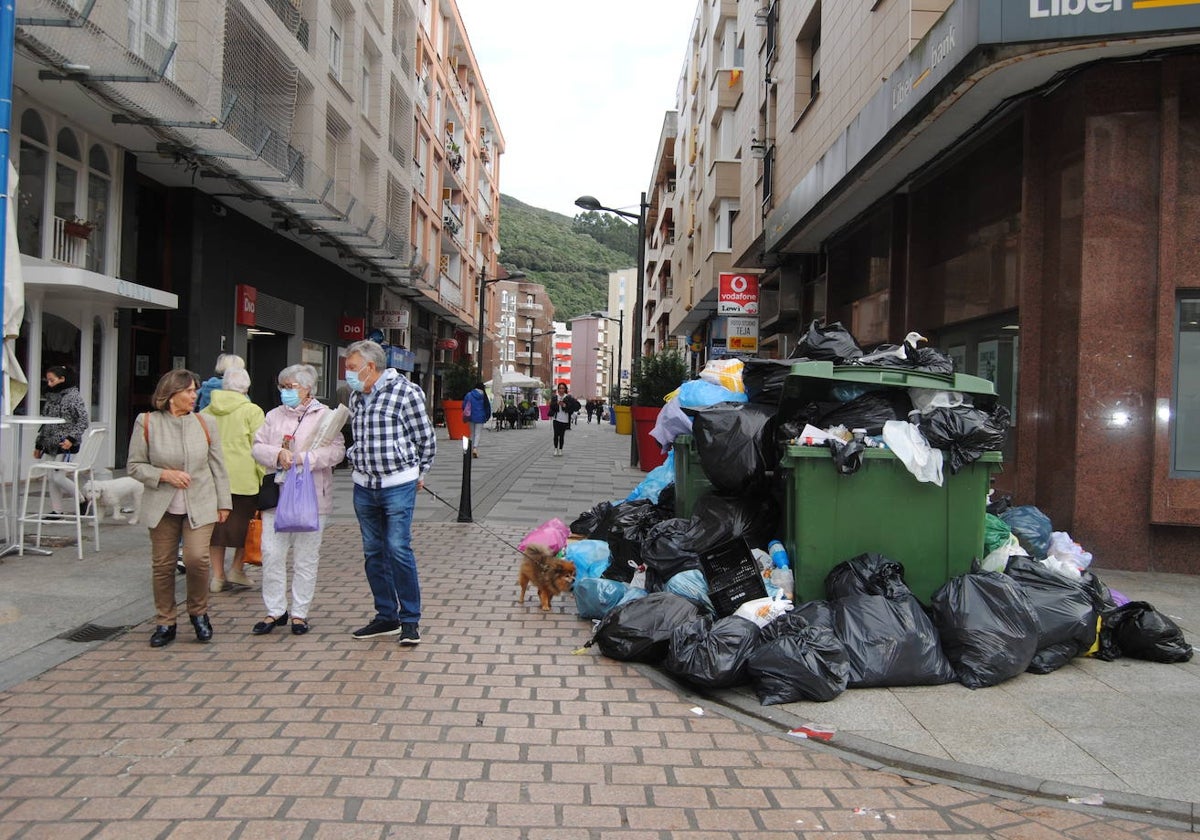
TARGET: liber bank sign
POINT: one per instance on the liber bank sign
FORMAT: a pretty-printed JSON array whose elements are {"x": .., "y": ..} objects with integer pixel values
[{"x": 1035, "y": 20}]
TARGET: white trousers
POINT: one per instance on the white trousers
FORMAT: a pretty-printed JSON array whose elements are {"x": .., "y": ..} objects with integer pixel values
[
  {"x": 61, "y": 488},
  {"x": 306, "y": 548}
]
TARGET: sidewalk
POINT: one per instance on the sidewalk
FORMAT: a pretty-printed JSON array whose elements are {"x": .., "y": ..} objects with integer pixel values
[{"x": 494, "y": 728}]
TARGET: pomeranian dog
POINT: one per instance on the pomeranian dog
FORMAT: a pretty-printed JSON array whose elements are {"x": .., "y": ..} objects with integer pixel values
[
  {"x": 115, "y": 494},
  {"x": 549, "y": 573}
]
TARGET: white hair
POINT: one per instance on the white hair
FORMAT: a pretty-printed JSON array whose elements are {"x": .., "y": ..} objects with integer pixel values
[
  {"x": 229, "y": 361},
  {"x": 236, "y": 379},
  {"x": 370, "y": 352},
  {"x": 303, "y": 375}
]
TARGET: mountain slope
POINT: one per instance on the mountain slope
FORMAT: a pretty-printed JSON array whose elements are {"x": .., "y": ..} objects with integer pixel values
[{"x": 571, "y": 265}]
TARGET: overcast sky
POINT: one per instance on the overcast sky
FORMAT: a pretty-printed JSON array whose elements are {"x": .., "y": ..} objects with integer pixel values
[{"x": 579, "y": 89}]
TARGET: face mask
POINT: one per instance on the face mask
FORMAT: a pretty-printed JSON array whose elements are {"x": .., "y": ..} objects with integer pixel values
[
  {"x": 289, "y": 397},
  {"x": 353, "y": 382}
]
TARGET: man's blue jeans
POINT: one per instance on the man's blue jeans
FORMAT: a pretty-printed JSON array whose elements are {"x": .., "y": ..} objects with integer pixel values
[{"x": 385, "y": 518}]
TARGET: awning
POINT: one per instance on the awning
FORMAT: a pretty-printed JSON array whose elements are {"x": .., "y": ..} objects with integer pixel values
[
  {"x": 512, "y": 379},
  {"x": 72, "y": 284}
]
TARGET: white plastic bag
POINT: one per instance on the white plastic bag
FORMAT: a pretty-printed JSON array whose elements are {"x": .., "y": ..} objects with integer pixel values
[
  {"x": 1066, "y": 549},
  {"x": 762, "y": 611},
  {"x": 997, "y": 559},
  {"x": 926, "y": 400},
  {"x": 910, "y": 446}
]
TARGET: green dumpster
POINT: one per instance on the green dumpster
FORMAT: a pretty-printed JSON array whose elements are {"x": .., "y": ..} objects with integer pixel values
[
  {"x": 690, "y": 481},
  {"x": 935, "y": 532}
]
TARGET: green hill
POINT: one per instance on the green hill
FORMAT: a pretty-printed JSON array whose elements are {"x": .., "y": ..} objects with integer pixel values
[{"x": 570, "y": 257}]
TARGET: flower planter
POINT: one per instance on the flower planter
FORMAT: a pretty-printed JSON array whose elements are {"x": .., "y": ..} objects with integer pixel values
[
  {"x": 77, "y": 230},
  {"x": 650, "y": 454},
  {"x": 457, "y": 427},
  {"x": 624, "y": 421}
]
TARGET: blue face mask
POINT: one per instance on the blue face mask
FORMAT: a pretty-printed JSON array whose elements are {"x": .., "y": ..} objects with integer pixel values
[
  {"x": 353, "y": 382},
  {"x": 289, "y": 397}
]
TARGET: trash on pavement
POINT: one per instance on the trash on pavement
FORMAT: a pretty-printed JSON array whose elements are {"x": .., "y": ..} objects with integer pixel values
[
  {"x": 988, "y": 627},
  {"x": 712, "y": 654}
]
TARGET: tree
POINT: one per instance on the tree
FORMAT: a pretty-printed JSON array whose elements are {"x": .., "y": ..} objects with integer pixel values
[{"x": 609, "y": 230}]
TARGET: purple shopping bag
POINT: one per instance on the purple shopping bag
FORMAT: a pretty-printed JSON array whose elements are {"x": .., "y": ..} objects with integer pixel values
[{"x": 297, "y": 509}]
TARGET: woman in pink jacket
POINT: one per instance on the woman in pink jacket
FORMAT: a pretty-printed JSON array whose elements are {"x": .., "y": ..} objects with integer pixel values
[{"x": 286, "y": 435}]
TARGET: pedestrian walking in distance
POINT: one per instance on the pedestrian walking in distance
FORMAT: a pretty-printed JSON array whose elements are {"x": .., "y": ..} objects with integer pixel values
[
  {"x": 562, "y": 407},
  {"x": 394, "y": 447},
  {"x": 477, "y": 412}
]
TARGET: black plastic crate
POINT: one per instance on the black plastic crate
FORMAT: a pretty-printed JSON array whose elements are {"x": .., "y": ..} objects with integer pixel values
[{"x": 733, "y": 576}]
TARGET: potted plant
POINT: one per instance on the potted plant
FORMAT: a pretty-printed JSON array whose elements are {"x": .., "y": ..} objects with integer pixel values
[
  {"x": 457, "y": 380},
  {"x": 654, "y": 377},
  {"x": 78, "y": 228}
]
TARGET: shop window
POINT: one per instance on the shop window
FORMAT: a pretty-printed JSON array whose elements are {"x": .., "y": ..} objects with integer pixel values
[
  {"x": 316, "y": 354},
  {"x": 1185, "y": 409},
  {"x": 31, "y": 184},
  {"x": 859, "y": 278}
]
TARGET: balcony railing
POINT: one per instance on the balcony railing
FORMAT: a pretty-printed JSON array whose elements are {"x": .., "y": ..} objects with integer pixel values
[{"x": 68, "y": 249}]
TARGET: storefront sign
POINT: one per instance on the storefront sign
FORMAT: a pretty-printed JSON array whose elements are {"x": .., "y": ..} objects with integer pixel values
[
  {"x": 352, "y": 329},
  {"x": 446, "y": 344},
  {"x": 737, "y": 294},
  {"x": 393, "y": 319},
  {"x": 246, "y": 297},
  {"x": 742, "y": 335}
]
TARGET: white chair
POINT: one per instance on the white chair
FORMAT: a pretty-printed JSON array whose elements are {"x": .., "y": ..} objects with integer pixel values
[{"x": 83, "y": 464}]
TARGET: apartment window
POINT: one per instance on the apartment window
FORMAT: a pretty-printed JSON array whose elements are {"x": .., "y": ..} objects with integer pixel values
[
  {"x": 151, "y": 31},
  {"x": 337, "y": 25},
  {"x": 99, "y": 189},
  {"x": 727, "y": 211},
  {"x": 1185, "y": 411},
  {"x": 337, "y": 149},
  {"x": 808, "y": 63}
]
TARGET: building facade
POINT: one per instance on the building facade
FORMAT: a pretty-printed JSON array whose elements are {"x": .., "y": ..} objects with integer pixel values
[
  {"x": 273, "y": 180},
  {"x": 525, "y": 331},
  {"x": 1015, "y": 180}
]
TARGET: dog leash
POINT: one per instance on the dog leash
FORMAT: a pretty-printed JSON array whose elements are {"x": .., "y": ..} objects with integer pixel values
[{"x": 479, "y": 525}]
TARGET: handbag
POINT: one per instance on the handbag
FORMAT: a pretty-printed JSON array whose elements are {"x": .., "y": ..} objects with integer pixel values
[
  {"x": 268, "y": 492},
  {"x": 297, "y": 510},
  {"x": 252, "y": 553}
]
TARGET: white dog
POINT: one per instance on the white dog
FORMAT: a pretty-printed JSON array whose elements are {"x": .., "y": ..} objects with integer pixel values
[{"x": 116, "y": 494}]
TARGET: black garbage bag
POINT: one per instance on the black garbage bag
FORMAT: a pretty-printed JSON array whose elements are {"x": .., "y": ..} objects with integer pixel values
[
  {"x": 1139, "y": 631},
  {"x": 924, "y": 359},
  {"x": 763, "y": 379},
  {"x": 889, "y": 642},
  {"x": 1102, "y": 599},
  {"x": 640, "y": 630},
  {"x": 595, "y": 524},
  {"x": 712, "y": 654},
  {"x": 988, "y": 627},
  {"x": 965, "y": 432},
  {"x": 718, "y": 519},
  {"x": 1064, "y": 607},
  {"x": 630, "y": 524},
  {"x": 847, "y": 457},
  {"x": 1049, "y": 659},
  {"x": 801, "y": 661},
  {"x": 736, "y": 444},
  {"x": 810, "y": 613},
  {"x": 1031, "y": 527},
  {"x": 666, "y": 552},
  {"x": 866, "y": 574},
  {"x": 829, "y": 343},
  {"x": 869, "y": 411}
]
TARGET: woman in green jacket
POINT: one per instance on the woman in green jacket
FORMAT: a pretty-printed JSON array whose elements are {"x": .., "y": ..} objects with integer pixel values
[{"x": 237, "y": 421}]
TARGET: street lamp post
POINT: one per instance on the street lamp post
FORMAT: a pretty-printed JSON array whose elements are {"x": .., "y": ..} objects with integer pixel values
[
  {"x": 483, "y": 284},
  {"x": 588, "y": 202},
  {"x": 532, "y": 336}
]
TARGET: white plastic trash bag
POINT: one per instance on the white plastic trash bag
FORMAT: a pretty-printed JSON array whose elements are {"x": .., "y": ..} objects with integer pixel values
[
  {"x": 909, "y": 445},
  {"x": 725, "y": 372},
  {"x": 926, "y": 400},
  {"x": 762, "y": 611},
  {"x": 997, "y": 559}
]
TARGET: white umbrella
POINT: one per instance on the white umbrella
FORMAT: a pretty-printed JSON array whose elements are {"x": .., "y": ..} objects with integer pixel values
[
  {"x": 512, "y": 379},
  {"x": 15, "y": 385}
]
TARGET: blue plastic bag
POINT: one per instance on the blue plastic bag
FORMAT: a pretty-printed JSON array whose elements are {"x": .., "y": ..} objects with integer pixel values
[
  {"x": 697, "y": 393},
  {"x": 691, "y": 584},
  {"x": 597, "y": 597},
  {"x": 591, "y": 558},
  {"x": 657, "y": 480},
  {"x": 297, "y": 510},
  {"x": 1031, "y": 527}
]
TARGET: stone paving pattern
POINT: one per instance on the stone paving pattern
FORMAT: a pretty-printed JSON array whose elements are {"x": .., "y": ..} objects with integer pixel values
[{"x": 496, "y": 726}]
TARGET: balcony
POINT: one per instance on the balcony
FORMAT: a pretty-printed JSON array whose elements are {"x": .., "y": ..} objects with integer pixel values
[
  {"x": 529, "y": 306},
  {"x": 726, "y": 88},
  {"x": 70, "y": 242}
]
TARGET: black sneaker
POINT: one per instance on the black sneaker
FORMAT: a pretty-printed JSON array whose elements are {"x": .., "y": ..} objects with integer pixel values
[
  {"x": 409, "y": 634},
  {"x": 378, "y": 627}
]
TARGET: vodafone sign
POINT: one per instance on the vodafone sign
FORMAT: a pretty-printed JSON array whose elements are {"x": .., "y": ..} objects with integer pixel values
[{"x": 737, "y": 294}]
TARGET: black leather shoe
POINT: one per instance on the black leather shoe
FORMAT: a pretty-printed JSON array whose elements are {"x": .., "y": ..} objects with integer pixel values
[
  {"x": 163, "y": 635},
  {"x": 299, "y": 627},
  {"x": 203, "y": 628},
  {"x": 264, "y": 627}
]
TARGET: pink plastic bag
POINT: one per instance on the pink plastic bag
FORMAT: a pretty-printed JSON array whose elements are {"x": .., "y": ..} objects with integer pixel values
[{"x": 553, "y": 535}]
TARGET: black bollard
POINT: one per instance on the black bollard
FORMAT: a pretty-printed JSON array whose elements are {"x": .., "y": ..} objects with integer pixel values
[{"x": 464, "y": 497}]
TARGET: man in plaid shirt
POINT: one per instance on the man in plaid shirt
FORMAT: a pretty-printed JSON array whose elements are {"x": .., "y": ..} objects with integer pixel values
[{"x": 394, "y": 445}]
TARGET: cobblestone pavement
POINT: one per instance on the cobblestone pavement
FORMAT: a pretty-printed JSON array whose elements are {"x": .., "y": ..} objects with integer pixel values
[{"x": 494, "y": 727}]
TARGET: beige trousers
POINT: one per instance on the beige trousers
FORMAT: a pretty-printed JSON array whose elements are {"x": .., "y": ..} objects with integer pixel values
[{"x": 164, "y": 545}]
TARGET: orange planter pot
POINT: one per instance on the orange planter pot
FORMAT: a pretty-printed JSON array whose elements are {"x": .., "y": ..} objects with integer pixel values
[
  {"x": 650, "y": 454},
  {"x": 455, "y": 424}
]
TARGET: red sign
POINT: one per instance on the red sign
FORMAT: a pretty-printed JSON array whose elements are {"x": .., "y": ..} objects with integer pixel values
[
  {"x": 446, "y": 344},
  {"x": 737, "y": 294},
  {"x": 246, "y": 297},
  {"x": 352, "y": 329}
]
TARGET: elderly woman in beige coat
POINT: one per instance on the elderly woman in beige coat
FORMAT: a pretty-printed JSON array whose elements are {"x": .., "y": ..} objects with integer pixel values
[{"x": 177, "y": 455}]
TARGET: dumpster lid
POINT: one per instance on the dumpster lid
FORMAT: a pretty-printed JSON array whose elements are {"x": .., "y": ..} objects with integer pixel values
[{"x": 811, "y": 381}]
